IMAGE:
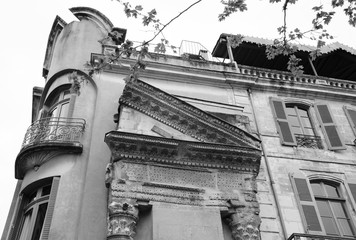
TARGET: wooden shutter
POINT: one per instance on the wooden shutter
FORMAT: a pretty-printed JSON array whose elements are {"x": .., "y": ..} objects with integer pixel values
[
  {"x": 328, "y": 125},
  {"x": 307, "y": 205},
  {"x": 351, "y": 116},
  {"x": 283, "y": 127},
  {"x": 50, "y": 209},
  {"x": 351, "y": 190}
]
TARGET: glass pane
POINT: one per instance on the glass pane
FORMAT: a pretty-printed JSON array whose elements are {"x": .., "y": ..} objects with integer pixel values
[
  {"x": 338, "y": 209},
  {"x": 66, "y": 94},
  {"x": 303, "y": 113},
  {"x": 324, "y": 208},
  {"x": 290, "y": 111},
  {"x": 41, "y": 214},
  {"x": 297, "y": 130},
  {"x": 331, "y": 191},
  {"x": 316, "y": 187},
  {"x": 345, "y": 227},
  {"x": 306, "y": 122},
  {"x": 46, "y": 190},
  {"x": 293, "y": 121},
  {"x": 64, "y": 110},
  {"x": 330, "y": 226},
  {"x": 26, "y": 225},
  {"x": 309, "y": 131},
  {"x": 32, "y": 196}
]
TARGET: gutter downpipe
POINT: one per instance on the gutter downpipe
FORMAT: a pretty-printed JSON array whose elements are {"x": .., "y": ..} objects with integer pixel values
[{"x": 268, "y": 167}]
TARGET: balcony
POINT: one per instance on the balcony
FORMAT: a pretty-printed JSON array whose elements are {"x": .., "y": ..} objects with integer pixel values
[
  {"x": 47, "y": 138},
  {"x": 303, "y": 236},
  {"x": 308, "y": 141}
]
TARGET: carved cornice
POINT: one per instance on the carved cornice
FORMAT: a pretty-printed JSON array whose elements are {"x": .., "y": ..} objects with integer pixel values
[
  {"x": 150, "y": 149},
  {"x": 183, "y": 116}
]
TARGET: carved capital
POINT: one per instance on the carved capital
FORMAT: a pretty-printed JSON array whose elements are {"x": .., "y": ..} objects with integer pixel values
[
  {"x": 245, "y": 224},
  {"x": 123, "y": 215}
]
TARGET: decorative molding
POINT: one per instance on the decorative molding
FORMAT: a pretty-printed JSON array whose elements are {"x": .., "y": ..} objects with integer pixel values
[
  {"x": 245, "y": 223},
  {"x": 144, "y": 148},
  {"x": 94, "y": 15},
  {"x": 123, "y": 216},
  {"x": 183, "y": 116}
]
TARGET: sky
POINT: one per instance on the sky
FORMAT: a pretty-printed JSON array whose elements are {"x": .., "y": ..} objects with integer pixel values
[{"x": 25, "y": 26}]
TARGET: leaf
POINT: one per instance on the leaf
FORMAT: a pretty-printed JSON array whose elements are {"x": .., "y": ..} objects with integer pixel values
[{"x": 139, "y": 8}]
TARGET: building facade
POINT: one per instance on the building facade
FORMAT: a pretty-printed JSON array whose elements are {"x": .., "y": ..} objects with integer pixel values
[{"x": 192, "y": 149}]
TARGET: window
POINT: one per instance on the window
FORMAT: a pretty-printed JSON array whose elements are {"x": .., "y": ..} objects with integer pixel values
[
  {"x": 35, "y": 210},
  {"x": 295, "y": 125},
  {"x": 58, "y": 104},
  {"x": 299, "y": 120},
  {"x": 351, "y": 116},
  {"x": 324, "y": 206}
]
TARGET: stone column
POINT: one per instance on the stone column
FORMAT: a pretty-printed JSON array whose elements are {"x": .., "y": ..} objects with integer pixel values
[
  {"x": 123, "y": 216},
  {"x": 245, "y": 223}
]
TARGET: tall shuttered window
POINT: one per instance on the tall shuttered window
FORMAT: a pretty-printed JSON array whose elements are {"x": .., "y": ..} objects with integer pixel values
[
  {"x": 295, "y": 125},
  {"x": 35, "y": 210},
  {"x": 324, "y": 206}
]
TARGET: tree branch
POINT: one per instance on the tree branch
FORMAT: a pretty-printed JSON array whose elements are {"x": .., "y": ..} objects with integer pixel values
[{"x": 165, "y": 25}]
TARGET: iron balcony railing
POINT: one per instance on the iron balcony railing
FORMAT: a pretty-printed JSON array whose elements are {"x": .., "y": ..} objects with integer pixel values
[
  {"x": 54, "y": 130},
  {"x": 304, "y": 236},
  {"x": 309, "y": 141}
]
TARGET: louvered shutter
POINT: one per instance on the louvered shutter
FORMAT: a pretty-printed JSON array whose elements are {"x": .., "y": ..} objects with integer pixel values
[
  {"x": 328, "y": 125},
  {"x": 351, "y": 116},
  {"x": 307, "y": 204},
  {"x": 283, "y": 127},
  {"x": 50, "y": 209},
  {"x": 18, "y": 217},
  {"x": 351, "y": 187}
]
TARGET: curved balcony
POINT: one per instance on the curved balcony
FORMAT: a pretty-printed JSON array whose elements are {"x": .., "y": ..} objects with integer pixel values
[{"x": 47, "y": 138}]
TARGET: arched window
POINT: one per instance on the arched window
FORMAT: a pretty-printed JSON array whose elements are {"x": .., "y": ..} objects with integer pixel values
[
  {"x": 295, "y": 125},
  {"x": 332, "y": 209},
  {"x": 324, "y": 206},
  {"x": 35, "y": 210},
  {"x": 57, "y": 104}
]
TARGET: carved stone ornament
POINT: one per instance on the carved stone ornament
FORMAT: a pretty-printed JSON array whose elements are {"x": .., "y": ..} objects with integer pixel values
[
  {"x": 109, "y": 174},
  {"x": 123, "y": 216},
  {"x": 144, "y": 148},
  {"x": 245, "y": 223},
  {"x": 184, "y": 117}
]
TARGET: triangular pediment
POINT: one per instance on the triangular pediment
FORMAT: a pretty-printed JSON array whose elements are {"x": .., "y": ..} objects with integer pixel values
[{"x": 183, "y": 117}]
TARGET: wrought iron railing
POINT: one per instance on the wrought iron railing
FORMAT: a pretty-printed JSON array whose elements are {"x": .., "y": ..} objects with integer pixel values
[
  {"x": 309, "y": 141},
  {"x": 54, "y": 130},
  {"x": 304, "y": 236}
]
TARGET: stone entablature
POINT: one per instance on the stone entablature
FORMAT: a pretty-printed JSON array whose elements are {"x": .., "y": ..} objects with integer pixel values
[
  {"x": 183, "y": 116},
  {"x": 150, "y": 149}
]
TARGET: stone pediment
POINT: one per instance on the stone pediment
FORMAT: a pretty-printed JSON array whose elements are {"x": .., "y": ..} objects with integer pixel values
[{"x": 184, "y": 117}]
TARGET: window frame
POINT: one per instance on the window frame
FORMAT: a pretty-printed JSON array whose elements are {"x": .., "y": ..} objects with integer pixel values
[
  {"x": 343, "y": 190},
  {"x": 307, "y": 108},
  {"x": 24, "y": 205}
]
